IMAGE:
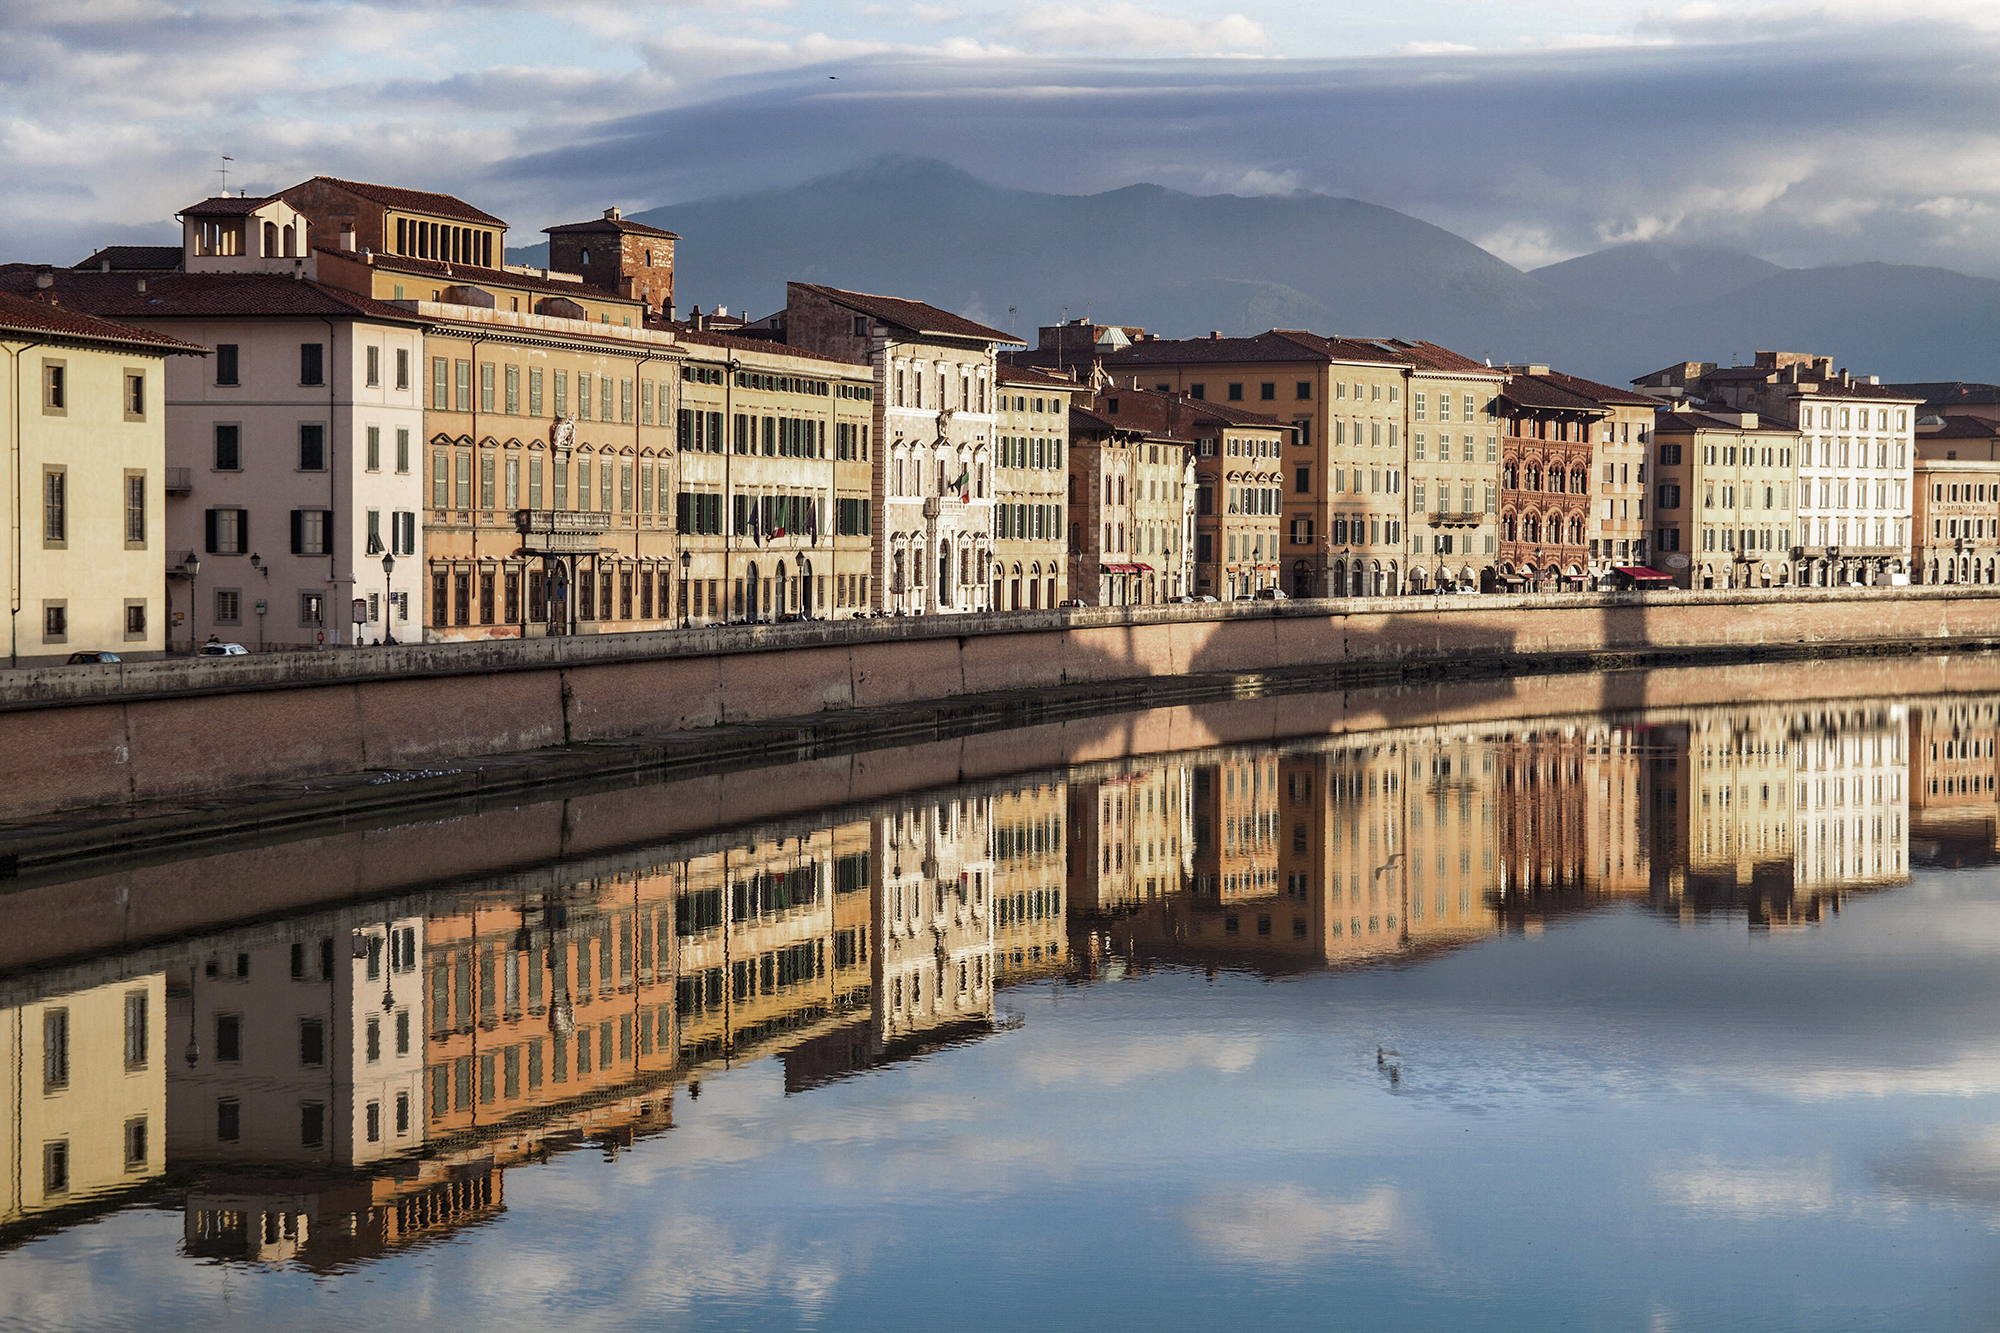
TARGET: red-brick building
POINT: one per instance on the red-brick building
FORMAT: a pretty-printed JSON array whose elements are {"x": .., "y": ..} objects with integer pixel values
[{"x": 613, "y": 253}]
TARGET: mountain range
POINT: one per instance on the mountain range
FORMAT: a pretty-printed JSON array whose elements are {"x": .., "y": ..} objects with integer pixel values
[{"x": 1182, "y": 265}]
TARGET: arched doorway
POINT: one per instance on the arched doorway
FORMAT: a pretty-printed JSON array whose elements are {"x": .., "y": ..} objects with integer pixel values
[
  {"x": 1034, "y": 585},
  {"x": 1302, "y": 579},
  {"x": 749, "y": 608},
  {"x": 805, "y": 586},
  {"x": 944, "y": 568},
  {"x": 1014, "y": 590}
]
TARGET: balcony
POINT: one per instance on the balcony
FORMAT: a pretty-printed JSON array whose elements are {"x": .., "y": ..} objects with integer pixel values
[
  {"x": 559, "y": 531},
  {"x": 1457, "y": 518},
  {"x": 180, "y": 481}
]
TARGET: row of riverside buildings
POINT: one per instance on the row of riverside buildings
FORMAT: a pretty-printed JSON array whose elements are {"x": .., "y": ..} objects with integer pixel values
[
  {"x": 348, "y": 1082},
  {"x": 337, "y": 415}
]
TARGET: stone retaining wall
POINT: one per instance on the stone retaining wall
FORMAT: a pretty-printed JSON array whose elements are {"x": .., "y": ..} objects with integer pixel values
[{"x": 94, "y": 736}]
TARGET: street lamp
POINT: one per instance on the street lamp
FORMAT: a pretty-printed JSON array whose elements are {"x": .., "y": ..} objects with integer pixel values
[
  {"x": 192, "y": 567},
  {"x": 193, "y": 1052},
  {"x": 686, "y": 561},
  {"x": 388, "y": 598}
]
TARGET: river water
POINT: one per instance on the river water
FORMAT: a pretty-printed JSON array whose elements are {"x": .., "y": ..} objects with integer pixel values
[{"x": 1650, "y": 1021}]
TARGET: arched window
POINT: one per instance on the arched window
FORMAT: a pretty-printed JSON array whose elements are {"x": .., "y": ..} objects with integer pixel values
[
  {"x": 270, "y": 239},
  {"x": 586, "y": 255}
]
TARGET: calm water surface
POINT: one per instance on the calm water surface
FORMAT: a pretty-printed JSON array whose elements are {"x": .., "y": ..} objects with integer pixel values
[{"x": 1674, "y": 1022}]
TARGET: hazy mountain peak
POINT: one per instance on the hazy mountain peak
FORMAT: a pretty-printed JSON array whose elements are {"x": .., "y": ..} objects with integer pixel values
[{"x": 1655, "y": 273}]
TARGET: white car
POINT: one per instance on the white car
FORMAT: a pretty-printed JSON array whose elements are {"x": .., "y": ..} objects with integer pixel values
[{"x": 224, "y": 650}]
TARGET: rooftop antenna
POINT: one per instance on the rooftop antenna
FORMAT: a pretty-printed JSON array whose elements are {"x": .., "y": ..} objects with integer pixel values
[{"x": 225, "y": 175}]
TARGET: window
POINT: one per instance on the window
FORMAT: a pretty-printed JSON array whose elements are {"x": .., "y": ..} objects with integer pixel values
[
  {"x": 312, "y": 532},
  {"x": 312, "y": 367},
  {"x": 1267, "y": 393},
  {"x": 229, "y": 1037},
  {"x": 55, "y": 1049},
  {"x": 228, "y": 531},
  {"x": 440, "y": 384},
  {"x": 374, "y": 451},
  {"x": 135, "y": 619},
  {"x": 312, "y": 447},
  {"x": 312, "y": 610},
  {"x": 373, "y": 371},
  {"x": 312, "y": 1124},
  {"x": 228, "y": 606},
  {"x": 486, "y": 386},
  {"x": 513, "y": 400},
  {"x": 55, "y": 507},
  {"x": 462, "y": 385},
  {"x": 1235, "y": 393},
  {"x": 312, "y": 1042},
  {"x": 55, "y": 388},
  {"x": 135, "y": 1143},
  {"x": 135, "y": 395},
  {"x": 135, "y": 511},
  {"x": 138, "y": 1047},
  {"x": 225, "y": 363}
]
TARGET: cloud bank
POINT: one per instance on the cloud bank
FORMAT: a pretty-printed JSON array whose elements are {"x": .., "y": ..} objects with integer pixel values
[{"x": 1804, "y": 132}]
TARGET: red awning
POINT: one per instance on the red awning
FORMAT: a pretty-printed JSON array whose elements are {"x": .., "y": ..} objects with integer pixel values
[
  {"x": 1119, "y": 569},
  {"x": 1643, "y": 574},
  {"x": 1141, "y": 568}
]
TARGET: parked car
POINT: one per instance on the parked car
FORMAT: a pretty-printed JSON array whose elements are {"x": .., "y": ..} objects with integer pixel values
[
  {"x": 90, "y": 657},
  {"x": 224, "y": 650},
  {"x": 1206, "y": 598},
  {"x": 1070, "y": 601},
  {"x": 1272, "y": 595}
]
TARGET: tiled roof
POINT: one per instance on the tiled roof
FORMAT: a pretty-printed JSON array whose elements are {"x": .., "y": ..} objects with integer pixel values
[
  {"x": 620, "y": 225},
  {"x": 1174, "y": 416},
  {"x": 472, "y": 275},
  {"x": 1007, "y": 372},
  {"x": 205, "y": 295},
  {"x": 912, "y": 315},
  {"x": 1541, "y": 391},
  {"x": 1277, "y": 345},
  {"x": 688, "y": 334},
  {"x": 21, "y": 314},
  {"x": 225, "y": 206},
  {"x": 1944, "y": 393},
  {"x": 410, "y": 201},
  {"x": 1606, "y": 394},
  {"x": 1672, "y": 422},
  {"x": 1441, "y": 360},
  {"x": 1963, "y": 428},
  {"x": 135, "y": 259},
  {"x": 1081, "y": 418}
]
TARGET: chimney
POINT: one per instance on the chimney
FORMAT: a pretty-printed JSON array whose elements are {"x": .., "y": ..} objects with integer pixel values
[
  {"x": 1214, "y": 335},
  {"x": 667, "y": 310},
  {"x": 44, "y": 278},
  {"x": 612, "y": 214}
]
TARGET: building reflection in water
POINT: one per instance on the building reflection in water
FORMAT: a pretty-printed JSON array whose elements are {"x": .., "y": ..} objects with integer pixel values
[{"x": 339, "y": 1087}]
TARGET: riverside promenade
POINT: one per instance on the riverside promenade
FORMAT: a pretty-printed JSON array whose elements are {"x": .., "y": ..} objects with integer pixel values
[{"x": 100, "y": 739}]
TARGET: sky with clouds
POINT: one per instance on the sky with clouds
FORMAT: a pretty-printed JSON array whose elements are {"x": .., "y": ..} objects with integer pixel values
[{"x": 1806, "y": 131}]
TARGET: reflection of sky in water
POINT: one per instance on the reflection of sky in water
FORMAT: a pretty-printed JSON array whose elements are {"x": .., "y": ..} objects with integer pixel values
[{"x": 1621, "y": 1123}]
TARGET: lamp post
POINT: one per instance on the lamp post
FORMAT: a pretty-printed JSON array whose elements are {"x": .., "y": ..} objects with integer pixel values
[
  {"x": 192, "y": 567},
  {"x": 686, "y": 561},
  {"x": 388, "y": 598}
]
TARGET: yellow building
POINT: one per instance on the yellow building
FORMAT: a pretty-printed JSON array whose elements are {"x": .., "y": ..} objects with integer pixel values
[
  {"x": 774, "y": 500},
  {"x": 1030, "y": 488},
  {"x": 85, "y": 414},
  {"x": 1725, "y": 487},
  {"x": 775, "y": 942},
  {"x": 86, "y": 1092},
  {"x": 1030, "y": 936}
]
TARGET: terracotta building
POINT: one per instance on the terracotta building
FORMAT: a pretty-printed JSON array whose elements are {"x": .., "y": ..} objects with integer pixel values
[{"x": 1130, "y": 502}]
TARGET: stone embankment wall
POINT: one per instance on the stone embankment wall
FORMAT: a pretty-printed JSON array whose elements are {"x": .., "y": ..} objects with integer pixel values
[{"x": 93, "y": 736}]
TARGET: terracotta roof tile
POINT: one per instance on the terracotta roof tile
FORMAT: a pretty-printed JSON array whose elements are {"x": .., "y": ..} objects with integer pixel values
[
  {"x": 623, "y": 226},
  {"x": 1606, "y": 394},
  {"x": 135, "y": 259},
  {"x": 26, "y": 314},
  {"x": 915, "y": 316},
  {"x": 687, "y": 333},
  {"x": 225, "y": 206},
  {"x": 205, "y": 295},
  {"x": 409, "y": 201},
  {"x": 1962, "y": 428},
  {"x": 472, "y": 275}
]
